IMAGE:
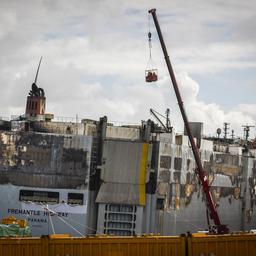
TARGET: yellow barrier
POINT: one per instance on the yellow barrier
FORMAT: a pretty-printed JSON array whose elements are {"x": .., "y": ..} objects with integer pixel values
[
  {"x": 195, "y": 245},
  {"x": 93, "y": 246},
  {"x": 21, "y": 247},
  {"x": 222, "y": 245}
]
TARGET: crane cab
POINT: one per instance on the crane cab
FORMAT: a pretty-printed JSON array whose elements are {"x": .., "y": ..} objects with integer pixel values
[{"x": 151, "y": 75}]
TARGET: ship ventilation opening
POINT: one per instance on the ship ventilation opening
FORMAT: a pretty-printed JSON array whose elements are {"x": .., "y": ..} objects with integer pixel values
[
  {"x": 75, "y": 198},
  {"x": 151, "y": 72}
]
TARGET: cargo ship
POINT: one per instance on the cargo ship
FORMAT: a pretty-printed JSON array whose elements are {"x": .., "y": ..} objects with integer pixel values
[{"x": 95, "y": 177}]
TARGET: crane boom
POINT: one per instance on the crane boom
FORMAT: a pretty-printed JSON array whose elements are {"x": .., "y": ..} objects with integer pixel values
[
  {"x": 218, "y": 227},
  {"x": 166, "y": 127}
]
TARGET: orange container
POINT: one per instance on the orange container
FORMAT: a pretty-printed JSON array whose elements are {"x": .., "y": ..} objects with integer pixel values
[
  {"x": 222, "y": 245},
  {"x": 93, "y": 246}
]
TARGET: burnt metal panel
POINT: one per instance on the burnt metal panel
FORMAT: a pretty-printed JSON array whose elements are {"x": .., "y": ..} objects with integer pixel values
[
  {"x": 44, "y": 160},
  {"x": 5, "y": 125}
]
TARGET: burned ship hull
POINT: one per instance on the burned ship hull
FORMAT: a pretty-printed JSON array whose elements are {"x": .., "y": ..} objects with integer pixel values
[
  {"x": 94, "y": 177},
  {"x": 44, "y": 179}
]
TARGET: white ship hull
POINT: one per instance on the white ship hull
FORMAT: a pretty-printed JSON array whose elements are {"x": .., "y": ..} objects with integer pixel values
[{"x": 46, "y": 218}]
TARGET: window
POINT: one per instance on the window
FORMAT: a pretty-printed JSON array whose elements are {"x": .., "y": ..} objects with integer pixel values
[
  {"x": 160, "y": 204},
  {"x": 75, "y": 198},
  {"x": 165, "y": 162},
  {"x": 39, "y": 196},
  {"x": 177, "y": 163}
]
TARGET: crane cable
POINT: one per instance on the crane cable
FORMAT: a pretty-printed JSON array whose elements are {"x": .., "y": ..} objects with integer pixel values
[
  {"x": 151, "y": 64},
  {"x": 50, "y": 218},
  {"x": 149, "y": 37}
]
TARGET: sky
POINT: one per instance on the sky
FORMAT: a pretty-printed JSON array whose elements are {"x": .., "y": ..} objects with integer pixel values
[{"x": 95, "y": 54}]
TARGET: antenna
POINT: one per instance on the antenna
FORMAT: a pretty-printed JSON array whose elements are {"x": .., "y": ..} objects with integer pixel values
[
  {"x": 218, "y": 132},
  {"x": 232, "y": 134},
  {"x": 38, "y": 69},
  {"x": 226, "y": 128},
  {"x": 76, "y": 124},
  {"x": 247, "y": 131},
  {"x": 168, "y": 122}
]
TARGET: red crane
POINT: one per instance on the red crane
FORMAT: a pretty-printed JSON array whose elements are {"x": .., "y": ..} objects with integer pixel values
[{"x": 217, "y": 228}]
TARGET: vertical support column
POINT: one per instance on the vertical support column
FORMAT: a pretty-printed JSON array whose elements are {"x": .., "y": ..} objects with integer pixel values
[
  {"x": 247, "y": 211},
  {"x": 94, "y": 181}
]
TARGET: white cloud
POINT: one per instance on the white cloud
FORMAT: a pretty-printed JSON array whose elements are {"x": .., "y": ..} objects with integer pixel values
[
  {"x": 95, "y": 53},
  {"x": 248, "y": 109},
  {"x": 212, "y": 114}
]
